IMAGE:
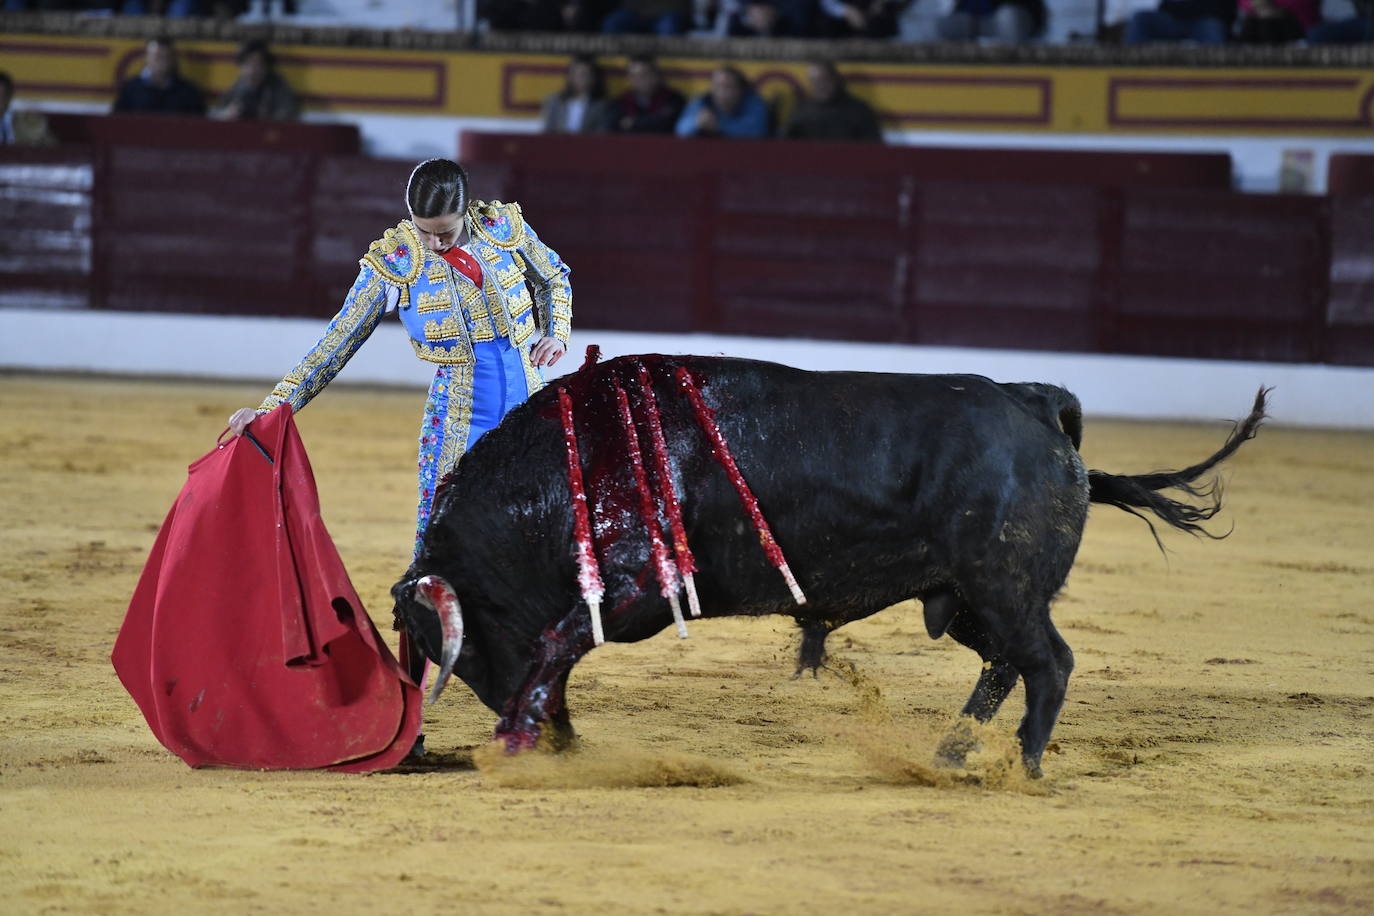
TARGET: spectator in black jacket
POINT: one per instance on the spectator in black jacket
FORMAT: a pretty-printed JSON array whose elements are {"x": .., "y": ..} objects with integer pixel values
[
  {"x": 260, "y": 93},
  {"x": 1003, "y": 21},
  {"x": 649, "y": 106},
  {"x": 1207, "y": 22},
  {"x": 829, "y": 112},
  {"x": 159, "y": 89}
]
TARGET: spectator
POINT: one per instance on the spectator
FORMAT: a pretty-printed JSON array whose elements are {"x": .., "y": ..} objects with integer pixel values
[
  {"x": 159, "y": 89},
  {"x": 1002, "y": 21},
  {"x": 860, "y": 18},
  {"x": 830, "y": 112},
  {"x": 1347, "y": 30},
  {"x": 543, "y": 15},
  {"x": 659, "y": 17},
  {"x": 649, "y": 106},
  {"x": 6, "y": 116},
  {"x": 1207, "y": 22},
  {"x": 259, "y": 93},
  {"x": 764, "y": 18},
  {"x": 1277, "y": 21},
  {"x": 22, "y": 127},
  {"x": 580, "y": 107},
  {"x": 731, "y": 108}
]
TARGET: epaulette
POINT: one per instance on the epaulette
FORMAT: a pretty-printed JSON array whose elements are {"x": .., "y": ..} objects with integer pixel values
[
  {"x": 398, "y": 255},
  {"x": 496, "y": 223}
]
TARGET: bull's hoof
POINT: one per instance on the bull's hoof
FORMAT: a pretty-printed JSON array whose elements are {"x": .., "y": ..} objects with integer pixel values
[
  {"x": 517, "y": 741},
  {"x": 554, "y": 736},
  {"x": 1032, "y": 766},
  {"x": 557, "y": 736}
]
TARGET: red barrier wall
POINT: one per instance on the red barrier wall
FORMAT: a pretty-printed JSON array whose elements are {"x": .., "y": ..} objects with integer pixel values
[
  {"x": 1143, "y": 253},
  {"x": 1111, "y": 253}
]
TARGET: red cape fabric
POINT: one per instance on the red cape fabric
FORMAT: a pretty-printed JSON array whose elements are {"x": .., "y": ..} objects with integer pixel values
[{"x": 245, "y": 644}]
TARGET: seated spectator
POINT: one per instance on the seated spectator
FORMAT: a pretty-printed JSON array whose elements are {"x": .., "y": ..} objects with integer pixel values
[
  {"x": 860, "y": 18},
  {"x": 1002, "y": 21},
  {"x": 24, "y": 127},
  {"x": 1207, "y": 22},
  {"x": 649, "y": 106},
  {"x": 731, "y": 108},
  {"x": 1273, "y": 22},
  {"x": 829, "y": 112},
  {"x": 764, "y": 18},
  {"x": 159, "y": 89},
  {"x": 259, "y": 93},
  {"x": 580, "y": 107},
  {"x": 658, "y": 17},
  {"x": 6, "y": 116},
  {"x": 1346, "y": 30},
  {"x": 544, "y": 15}
]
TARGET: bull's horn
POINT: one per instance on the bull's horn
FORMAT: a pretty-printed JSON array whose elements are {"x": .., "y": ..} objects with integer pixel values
[{"x": 437, "y": 595}]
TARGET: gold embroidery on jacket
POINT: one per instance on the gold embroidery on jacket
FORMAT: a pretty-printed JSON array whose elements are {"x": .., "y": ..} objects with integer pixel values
[
  {"x": 402, "y": 234},
  {"x": 519, "y": 302},
  {"x": 361, "y": 312},
  {"x": 458, "y": 423},
  {"x": 448, "y": 329},
  {"x": 458, "y": 355},
  {"x": 433, "y": 302},
  {"x": 479, "y": 210},
  {"x": 496, "y": 305}
]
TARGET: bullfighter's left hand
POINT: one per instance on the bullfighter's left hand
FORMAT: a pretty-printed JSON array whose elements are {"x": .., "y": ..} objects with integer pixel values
[{"x": 548, "y": 351}]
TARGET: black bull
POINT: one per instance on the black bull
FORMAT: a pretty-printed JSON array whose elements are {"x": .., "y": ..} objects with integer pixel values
[{"x": 961, "y": 492}]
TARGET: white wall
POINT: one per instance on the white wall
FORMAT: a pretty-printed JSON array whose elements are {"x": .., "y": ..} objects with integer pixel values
[{"x": 263, "y": 349}]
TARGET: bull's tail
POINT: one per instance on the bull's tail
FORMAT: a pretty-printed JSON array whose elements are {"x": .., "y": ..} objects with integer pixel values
[{"x": 1141, "y": 491}]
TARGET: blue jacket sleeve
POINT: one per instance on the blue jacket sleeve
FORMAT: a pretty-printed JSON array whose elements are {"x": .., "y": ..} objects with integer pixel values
[
  {"x": 359, "y": 317},
  {"x": 547, "y": 274}
]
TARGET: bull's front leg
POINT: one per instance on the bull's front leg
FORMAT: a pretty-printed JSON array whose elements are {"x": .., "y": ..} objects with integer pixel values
[{"x": 539, "y": 708}]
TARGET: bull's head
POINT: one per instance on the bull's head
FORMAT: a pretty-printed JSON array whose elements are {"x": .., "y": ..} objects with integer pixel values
[{"x": 487, "y": 659}]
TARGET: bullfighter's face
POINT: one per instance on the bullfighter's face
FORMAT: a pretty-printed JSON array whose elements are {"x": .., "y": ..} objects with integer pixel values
[{"x": 439, "y": 233}]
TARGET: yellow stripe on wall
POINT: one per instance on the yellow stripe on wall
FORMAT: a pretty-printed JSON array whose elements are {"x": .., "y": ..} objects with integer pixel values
[{"x": 1134, "y": 100}]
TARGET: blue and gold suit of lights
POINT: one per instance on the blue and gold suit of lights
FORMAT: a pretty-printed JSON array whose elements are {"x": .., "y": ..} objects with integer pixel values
[{"x": 480, "y": 337}]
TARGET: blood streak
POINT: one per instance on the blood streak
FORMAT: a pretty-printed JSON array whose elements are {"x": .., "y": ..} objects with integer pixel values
[
  {"x": 686, "y": 563},
  {"x": 588, "y": 573},
  {"x": 648, "y": 512},
  {"x": 707, "y": 419}
]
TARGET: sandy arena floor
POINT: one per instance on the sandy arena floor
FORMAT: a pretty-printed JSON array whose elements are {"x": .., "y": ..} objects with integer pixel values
[{"x": 1216, "y": 753}]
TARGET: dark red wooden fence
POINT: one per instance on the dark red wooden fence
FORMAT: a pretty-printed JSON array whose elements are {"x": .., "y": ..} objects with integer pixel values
[{"x": 1030, "y": 249}]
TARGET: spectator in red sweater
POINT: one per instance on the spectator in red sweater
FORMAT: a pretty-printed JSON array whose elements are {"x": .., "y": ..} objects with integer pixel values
[{"x": 649, "y": 106}]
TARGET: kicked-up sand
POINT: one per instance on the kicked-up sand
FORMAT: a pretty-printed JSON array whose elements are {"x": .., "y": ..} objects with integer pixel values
[{"x": 1215, "y": 754}]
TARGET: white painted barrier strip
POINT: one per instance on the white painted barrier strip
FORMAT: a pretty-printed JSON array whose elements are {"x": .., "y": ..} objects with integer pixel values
[{"x": 263, "y": 349}]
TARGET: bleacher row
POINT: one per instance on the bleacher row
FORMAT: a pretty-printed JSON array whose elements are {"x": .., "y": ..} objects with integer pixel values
[{"x": 1107, "y": 252}]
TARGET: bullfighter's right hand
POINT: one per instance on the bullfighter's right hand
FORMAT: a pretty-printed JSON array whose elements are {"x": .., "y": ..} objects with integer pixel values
[{"x": 240, "y": 420}]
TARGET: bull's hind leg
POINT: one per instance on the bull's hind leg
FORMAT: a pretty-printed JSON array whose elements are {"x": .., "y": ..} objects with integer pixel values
[
  {"x": 995, "y": 682},
  {"x": 1045, "y": 662}
]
